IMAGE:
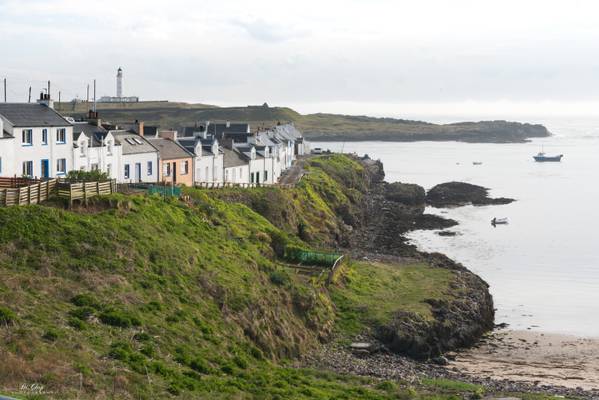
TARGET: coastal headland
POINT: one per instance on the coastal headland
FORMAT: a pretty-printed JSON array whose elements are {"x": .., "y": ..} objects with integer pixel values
[{"x": 316, "y": 127}]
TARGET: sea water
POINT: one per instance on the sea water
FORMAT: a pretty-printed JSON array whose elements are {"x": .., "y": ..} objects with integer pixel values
[{"x": 543, "y": 267}]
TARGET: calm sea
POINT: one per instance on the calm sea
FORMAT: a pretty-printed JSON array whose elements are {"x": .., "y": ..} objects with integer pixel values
[{"x": 543, "y": 268}]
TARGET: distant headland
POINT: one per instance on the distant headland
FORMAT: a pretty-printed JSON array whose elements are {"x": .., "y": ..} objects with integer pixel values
[{"x": 316, "y": 127}]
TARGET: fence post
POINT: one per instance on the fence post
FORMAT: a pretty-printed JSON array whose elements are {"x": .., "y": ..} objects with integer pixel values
[
  {"x": 39, "y": 193},
  {"x": 28, "y": 194}
]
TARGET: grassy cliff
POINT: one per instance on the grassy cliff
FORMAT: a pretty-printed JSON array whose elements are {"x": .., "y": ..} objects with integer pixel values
[
  {"x": 322, "y": 127},
  {"x": 135, "y": 297}
]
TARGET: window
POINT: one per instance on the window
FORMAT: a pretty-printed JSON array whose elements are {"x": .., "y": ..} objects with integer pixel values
[
  {"x": 61, "y": 135},
  {"x": 265, "y": 176},
  {"x": 27, "y": 137},
  {"x": 185, "y": 168},
  {"x": 28, "y": 168},
  {"x": 150, "y": 167},
  {"x": 166, "y": 169},
  {"x": 44, "y": 136},
  {"x": 127, "y": 171},
  {"x": 61, "y": 166},
  {"x": 95, "y": 167},
  {"x": 252, "y": 177},
  {"x": 109, "y": 145},
  {"x": 82, "y": 148},
  {"x": 226, "y": 175},
  {"x": 257, "y": 177}
]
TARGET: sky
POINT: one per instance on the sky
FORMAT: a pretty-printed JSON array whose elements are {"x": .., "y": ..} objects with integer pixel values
[{"x": 375, "y": 57}]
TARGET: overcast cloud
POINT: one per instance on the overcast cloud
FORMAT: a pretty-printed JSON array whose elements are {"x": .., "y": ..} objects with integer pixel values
[{"x": 331, "y": 55}]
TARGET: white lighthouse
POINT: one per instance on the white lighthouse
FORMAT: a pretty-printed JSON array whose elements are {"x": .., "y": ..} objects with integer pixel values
[{"x": 119, "y": 83}]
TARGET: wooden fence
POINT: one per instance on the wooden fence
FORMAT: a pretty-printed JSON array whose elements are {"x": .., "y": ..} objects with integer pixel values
[
  {"x": 22, "y": 191},
  {"x": 84, "y": 190},
  {"x": 223, "y": 185}
]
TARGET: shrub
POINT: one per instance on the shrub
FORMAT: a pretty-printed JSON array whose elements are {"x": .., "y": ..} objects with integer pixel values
[
  {"x": 86, "y": 300},
  {"x": 82, "y": 313},
  {"x": 7, "y": 316},
  {"x": 119, "y": 318},
  {"x": 77, "y": 324},
  {"x": 50, "y": 335},
  {"x": 200, "y": 365},
  {"x": 87, "y": 176},
  {"x": 279, "y": 278},
  {"x": 241, "y": 362}
]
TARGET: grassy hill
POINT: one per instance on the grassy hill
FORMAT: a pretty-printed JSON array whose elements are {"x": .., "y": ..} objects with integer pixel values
[
  {"x": 318, "y": 127},
  {"x": 136, "y": 297}
]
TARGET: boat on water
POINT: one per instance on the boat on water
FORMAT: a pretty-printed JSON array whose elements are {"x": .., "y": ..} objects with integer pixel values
[
  {"x": 499, "y": 221},
  {"x": 542, "y": 157},
  {"x": 477, "y": 163}
]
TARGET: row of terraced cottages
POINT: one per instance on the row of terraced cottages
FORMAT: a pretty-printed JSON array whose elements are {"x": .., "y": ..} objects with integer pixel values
[{"x": 36, "y": 141}]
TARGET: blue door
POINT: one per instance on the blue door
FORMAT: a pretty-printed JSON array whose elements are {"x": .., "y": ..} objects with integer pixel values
[{"x": 45, "y": 169}]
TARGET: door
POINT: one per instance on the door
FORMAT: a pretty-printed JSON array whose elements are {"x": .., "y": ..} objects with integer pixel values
[
  {"x": 137, "y": 172},
  {"x": 45, "y": 169},
  {"x": 174, "y": 172}
]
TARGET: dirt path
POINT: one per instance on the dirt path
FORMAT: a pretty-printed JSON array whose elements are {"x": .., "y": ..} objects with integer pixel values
[
  {"x": 293, "y": 175},
  {"x": 534, "y": 357}
]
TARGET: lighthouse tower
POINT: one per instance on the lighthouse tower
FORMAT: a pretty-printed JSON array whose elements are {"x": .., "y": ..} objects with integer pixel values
[{"x": 119, "y": 83}]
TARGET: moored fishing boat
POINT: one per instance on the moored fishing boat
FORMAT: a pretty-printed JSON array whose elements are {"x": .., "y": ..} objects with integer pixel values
[{"x": 542, "y": 157}]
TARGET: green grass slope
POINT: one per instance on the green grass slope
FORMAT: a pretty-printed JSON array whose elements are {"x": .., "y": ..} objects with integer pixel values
[{"x": 136, "y": 297}]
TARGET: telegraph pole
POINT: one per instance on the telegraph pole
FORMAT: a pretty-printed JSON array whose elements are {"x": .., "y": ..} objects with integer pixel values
[
  {"x": 5, "y": 90},
  {"x": 87, "y": 98},
  {"x": 29, "y": 101}
]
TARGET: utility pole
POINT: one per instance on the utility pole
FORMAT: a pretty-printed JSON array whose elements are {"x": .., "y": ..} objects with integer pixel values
[
  {"x": 5, "y": 90},
  {"x": 49, "y": 96},
  {"x": 87, "y": 98},
  {"x": 94, "y": 95},
  {"x": 29, "y": 101},
  {"x": 59, "y": 97}
]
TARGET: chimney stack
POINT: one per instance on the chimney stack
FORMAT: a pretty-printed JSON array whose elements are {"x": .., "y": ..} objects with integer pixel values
[
  {"x": 46, "y": 100},
  {"x": 228, "y": 124},
  {"x": 140, "y": 127},
  {"x": 172, "y": 135}
]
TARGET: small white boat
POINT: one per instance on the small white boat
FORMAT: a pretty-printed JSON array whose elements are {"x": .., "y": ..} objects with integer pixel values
[
  {"x": 499, "y": 221},
  {"x": 477, "y": 163}
]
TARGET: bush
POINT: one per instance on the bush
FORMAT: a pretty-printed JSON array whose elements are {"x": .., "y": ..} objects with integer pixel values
[
  {"x": 119, "y": 318},
  {"x": 82, "y": 313},
  {"x": 50, "y": 335},
  {"x": 7, "y": 316},
  {"x": 279, "y": 278},
  {"x": 86, "y": 300},
  {"x": 77, "y": 324},
  {"x": 87, "y": 176},
  {"x": 200, "y": 365}
]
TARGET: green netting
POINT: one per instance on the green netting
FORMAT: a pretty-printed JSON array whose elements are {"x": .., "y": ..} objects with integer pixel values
[
  {"x": 165, "y": 190},
  {"x": 311, "y": 257}
]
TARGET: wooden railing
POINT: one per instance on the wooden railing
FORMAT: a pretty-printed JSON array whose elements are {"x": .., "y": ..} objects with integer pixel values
[
  {"x": 223, "y": 185},
  {"x": 84, "y": 190},
  {"x": 33, "y": 193}
]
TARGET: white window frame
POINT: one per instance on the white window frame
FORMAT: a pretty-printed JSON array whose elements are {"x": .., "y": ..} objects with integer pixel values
[
  {"x": 27, "y": 137},
  {"x": 150, "y": 167},
  {"x": 61, "y": 169},
  {"x": 61, "y": 133},
  {"x": 28, "y": 168},
  {"x": 44, "y": 137},
  {"x": 127, "y": 171}
]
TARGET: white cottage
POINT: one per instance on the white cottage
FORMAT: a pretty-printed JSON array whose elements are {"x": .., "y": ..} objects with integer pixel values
[
  {"x": 139, "y": 158},
  {"x": 39, "y": 138},
  {"x": 95, "y": 148}
]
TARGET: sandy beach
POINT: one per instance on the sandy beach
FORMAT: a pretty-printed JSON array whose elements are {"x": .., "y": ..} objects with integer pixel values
[{"x": 534, "y": 357}]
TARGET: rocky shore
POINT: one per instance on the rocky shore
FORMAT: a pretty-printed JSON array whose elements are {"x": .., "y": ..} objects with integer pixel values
[
  {"x": 411, "y": 349},
  {"x": 384, "y": 364},
  {"x": 391, "y": 210}
]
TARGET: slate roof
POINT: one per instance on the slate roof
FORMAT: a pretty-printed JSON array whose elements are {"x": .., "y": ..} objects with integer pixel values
[
  {"x": 169, "y": 149},
  {"x": 96, "y": 133},
  {"x": 233, "y": 158},
  {"x": 218, "y": 130},
  {"x": 132, "y": 143},
  {"x": 31, "y": 115}
]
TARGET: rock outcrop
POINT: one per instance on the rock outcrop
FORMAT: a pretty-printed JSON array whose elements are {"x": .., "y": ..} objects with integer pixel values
[{"x": 452, "y": 194}]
